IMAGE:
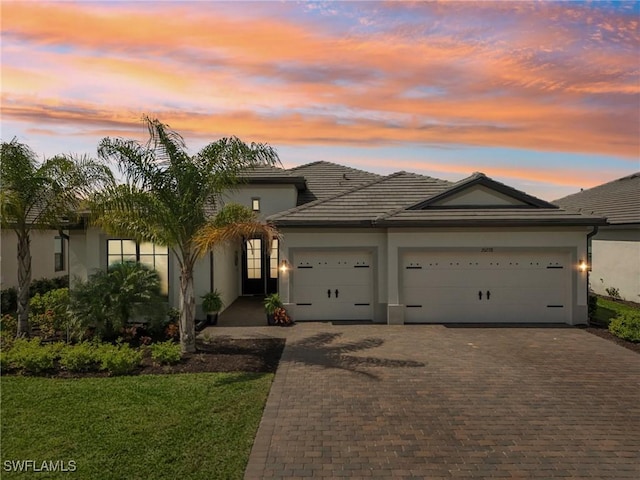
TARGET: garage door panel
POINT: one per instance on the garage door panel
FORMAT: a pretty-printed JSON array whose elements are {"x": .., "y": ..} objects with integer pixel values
[
  {"x": 521, "y": 287},
  {"x": 333, "y": 285}
]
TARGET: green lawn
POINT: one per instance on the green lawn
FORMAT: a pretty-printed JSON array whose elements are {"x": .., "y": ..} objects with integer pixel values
[
  {"x": 608, "y": 309},
  {"x": 187, "y": 426}
]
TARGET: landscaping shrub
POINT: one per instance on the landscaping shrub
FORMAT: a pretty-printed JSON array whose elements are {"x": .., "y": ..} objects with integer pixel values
[
  {"x": 44, "y": 285},
  {"x": 613, "y": 292},
  {"x": 8, "y": 329},
  {"x": 48, "y": 312},
  {"x": 592, "y": 306},
  {"x": 30, "y": 356},
  {"x": 110, "y": 300},
  {"x": 9, "y": 300},
  {"x": 82, "y": 357},
  {"x": 118, "y": 359},
  {"x": 166, "y": 353},
  {"x": 626, "y": 326}
]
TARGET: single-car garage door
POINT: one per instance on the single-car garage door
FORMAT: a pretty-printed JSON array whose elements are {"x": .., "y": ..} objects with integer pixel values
[
  {"x": 333, "y": 285},
  {"x": 486, "y": 286}
]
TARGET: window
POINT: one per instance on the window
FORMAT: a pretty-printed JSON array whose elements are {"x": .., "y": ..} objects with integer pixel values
[
  {"x": 58, "y": 254},
  {"x": 254, "y": 259},
  {"x": 150, "y": 254},
  {"x": 273, "y": 259},
  {"x": 255, "y": 204}
]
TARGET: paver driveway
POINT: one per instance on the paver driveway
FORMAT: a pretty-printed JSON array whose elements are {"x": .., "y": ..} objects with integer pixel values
[{"x": 435, "y": 402}]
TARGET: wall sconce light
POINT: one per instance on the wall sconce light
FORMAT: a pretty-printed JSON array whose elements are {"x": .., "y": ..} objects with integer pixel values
[
  {"x": 582, "y": 265},
  {"x": 284, "y": 266}
]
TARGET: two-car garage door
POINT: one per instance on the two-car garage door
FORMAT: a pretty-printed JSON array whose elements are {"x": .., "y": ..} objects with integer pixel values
[
  {"x": 486, "y": 286},
  {"x": 333, "y": 285}
]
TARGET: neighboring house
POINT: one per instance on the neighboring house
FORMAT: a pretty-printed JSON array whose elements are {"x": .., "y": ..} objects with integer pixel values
[
  {"x": 402, "y": 248},
  {"x": 615, "y": 249},
  {"x": 48, "y": 256}
]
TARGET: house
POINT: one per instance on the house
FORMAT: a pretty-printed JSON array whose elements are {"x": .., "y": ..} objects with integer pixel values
[
  {"x": 48, "y": 256},
  {"x": 615, "y": 248},
  {"x": 400, "y": 248}
]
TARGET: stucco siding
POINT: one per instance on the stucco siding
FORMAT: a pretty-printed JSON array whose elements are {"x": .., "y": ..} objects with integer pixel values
[
  {"x": 42, "y": 257},
  {"x": 273, "y": 198},
  {"x": 616, "y": 262},
  {"x": 226, "y": 268}
]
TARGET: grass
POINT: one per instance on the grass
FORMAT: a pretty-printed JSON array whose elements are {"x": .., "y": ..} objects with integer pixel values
[
  {"x": 191, "y": 426},
  {"x": 608, "y": 309}
]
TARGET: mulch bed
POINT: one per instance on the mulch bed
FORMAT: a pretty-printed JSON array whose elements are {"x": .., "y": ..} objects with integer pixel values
[
  {"x": 225, "y": 355},
  {"x": 603, "y": 332}
]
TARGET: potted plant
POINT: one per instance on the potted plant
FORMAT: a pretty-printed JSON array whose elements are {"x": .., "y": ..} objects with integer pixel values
[
  {"x": 212, "y": 304},
  {"x": 271, "y": 304}
]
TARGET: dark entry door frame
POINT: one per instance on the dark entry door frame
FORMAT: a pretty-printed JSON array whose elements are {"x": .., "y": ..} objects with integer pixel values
[{"x": 259, "y": 268}]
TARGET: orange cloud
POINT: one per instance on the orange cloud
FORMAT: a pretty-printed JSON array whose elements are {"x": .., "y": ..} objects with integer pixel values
[{"x": 273, "y": 80}]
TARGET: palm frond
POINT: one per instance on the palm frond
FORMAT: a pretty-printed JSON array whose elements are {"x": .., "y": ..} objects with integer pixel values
[{"x": 234, "y": 223}]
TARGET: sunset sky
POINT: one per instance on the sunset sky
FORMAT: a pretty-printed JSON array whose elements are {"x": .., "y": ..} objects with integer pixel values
[{"x": 542, "y": 96}]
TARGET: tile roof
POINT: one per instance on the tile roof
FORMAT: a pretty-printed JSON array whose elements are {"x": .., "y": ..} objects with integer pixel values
[
  {"x": 618, "y": 201},
  {"x": 265, "y": 174},
  {"x": 387, "y": 201},
  {"x": 326, "y": 179}
]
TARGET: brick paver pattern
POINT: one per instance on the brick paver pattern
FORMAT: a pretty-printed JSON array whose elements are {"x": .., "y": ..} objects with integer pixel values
[{"x": 429, "y": 402}]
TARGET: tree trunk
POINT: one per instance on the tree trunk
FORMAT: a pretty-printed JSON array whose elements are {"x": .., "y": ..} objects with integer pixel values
[
  {"x": 24, "y": 282},
  {"x": 188, "y": 310}
]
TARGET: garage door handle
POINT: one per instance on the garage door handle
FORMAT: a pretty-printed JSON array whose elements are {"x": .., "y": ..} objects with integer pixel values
[
  {"x": 479, "y": 294},
  {"x": 337, "y": 293},
  {"x": 329, "y": 293},
  {"x": 488, "y": 295}
]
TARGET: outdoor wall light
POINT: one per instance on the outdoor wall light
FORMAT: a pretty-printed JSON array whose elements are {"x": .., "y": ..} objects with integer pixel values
[
  {"x": 284, "y": 266},
  {"x": 582, "y": 265}
]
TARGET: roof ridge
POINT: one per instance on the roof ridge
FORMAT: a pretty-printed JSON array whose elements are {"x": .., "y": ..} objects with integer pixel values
[
  {"x": 333, "y": 197},
  {"x": 324, "y": 162}
]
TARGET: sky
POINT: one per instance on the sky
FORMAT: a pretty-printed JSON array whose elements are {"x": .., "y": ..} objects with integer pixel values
[{"x": 542, "y": 96}]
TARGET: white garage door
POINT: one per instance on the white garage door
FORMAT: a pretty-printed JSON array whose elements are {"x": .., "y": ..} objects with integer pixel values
[
  {"x": 486, "y": 287},
  {"x": 333, "y": 285}
]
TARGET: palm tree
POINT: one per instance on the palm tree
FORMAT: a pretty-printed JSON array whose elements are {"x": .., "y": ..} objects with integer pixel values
[
  {"x": 40, "y": 196},
  {"x": 166, "y": 195}
]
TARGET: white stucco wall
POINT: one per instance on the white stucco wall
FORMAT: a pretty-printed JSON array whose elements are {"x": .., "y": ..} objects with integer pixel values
[
  {"x": 273, "y": 198},
  {"x": 226, "y": 268},
  {"x": 42, "y": 257},
  {"x": 615, "y": 258}
]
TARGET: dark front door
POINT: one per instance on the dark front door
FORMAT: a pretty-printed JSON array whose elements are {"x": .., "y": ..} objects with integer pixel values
[{"x": 259, "y": 269}]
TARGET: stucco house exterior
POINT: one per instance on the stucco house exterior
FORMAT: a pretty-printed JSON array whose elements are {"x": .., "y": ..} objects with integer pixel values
[
  {"x": 48, "y": 256},
  {"x": 615, "y": 249},
  {"x": 401, "y": 248}
]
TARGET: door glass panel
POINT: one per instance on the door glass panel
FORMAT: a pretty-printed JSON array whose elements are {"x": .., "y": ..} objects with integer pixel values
[
  {"x": 273, "y": 259},
  {"x": 254, "y": 258}
]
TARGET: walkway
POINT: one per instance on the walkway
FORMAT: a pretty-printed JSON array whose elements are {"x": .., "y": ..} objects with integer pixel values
[{"x": 381, "y": 401}]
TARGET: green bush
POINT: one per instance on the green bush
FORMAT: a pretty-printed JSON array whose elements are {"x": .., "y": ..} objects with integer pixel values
[
  {"x": 8, "y": 329},
  {"x": 592, "y": 306},
  {"x": 82, "y": 357},
  {"x": 44, "y": 285},
  {"x": 30, "y": 356},
  {"x": 110, "y": 300},
  {"x": 118, "y": 359},
  {"x": 48, "y": 312},
  {"x": 626, "y": 326},
  {"x": 9, "y": 300},
  {"x": 166, "y": 353}
]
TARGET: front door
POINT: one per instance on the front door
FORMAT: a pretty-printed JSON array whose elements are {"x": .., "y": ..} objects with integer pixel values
[{"x": 259, "y": 269}]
